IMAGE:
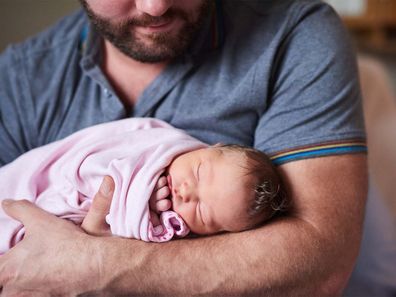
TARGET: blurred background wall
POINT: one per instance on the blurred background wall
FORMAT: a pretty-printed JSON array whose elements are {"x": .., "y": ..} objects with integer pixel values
[
  {"x": 22, "y": 18},
  {"x": 372, "y": 24}
]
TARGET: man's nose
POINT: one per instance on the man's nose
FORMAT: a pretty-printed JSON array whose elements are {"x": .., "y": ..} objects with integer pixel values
[{"x": 153, "y": 7}]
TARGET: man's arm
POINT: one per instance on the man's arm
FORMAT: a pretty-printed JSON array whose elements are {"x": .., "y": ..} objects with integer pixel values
[{"x": 309, "y": 253}]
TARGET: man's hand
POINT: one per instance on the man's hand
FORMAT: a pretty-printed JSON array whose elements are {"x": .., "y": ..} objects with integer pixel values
[
  {"x": 46, "y": 261},
  {"x": 95, "y": 221}
]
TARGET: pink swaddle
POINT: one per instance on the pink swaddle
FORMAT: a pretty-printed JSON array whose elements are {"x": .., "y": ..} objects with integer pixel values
[{"x": 63, "y": 177}]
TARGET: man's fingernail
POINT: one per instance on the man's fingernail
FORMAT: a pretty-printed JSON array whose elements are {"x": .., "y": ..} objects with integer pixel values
[
  {"x": 7, "y": 202},
  {"x": 105, "y": 187}
]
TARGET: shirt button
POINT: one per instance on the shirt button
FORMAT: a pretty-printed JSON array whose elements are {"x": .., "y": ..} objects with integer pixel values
[{"x": 107, "y": 92}]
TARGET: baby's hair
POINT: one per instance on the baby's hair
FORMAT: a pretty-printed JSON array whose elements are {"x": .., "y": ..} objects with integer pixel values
[{"x": 269, "y": 195}]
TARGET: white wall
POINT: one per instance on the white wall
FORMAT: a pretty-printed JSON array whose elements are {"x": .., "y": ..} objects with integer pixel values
[
  {"x": 349, "y": 7},
  {"x": 22, "y": 18}
]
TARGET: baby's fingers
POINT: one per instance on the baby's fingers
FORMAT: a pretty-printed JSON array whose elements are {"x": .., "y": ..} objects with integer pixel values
[
  {"x": 162, "y": 193},
  {"x": 157, "y": 196},
  {"x": 163, "y": 205},
  {"x": 162, "y": 182}
]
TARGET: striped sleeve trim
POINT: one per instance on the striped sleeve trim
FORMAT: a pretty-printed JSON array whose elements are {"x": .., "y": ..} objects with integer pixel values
[{"x": 320, "y": 150}]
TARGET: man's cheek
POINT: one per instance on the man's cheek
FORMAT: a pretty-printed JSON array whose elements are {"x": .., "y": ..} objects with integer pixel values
[{"x": 110, "y": 9}]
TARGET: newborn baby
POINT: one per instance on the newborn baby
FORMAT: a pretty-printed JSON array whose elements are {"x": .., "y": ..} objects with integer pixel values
[
  {"x": 187, "y": 183},
  {"x": 221, "y": 188}
]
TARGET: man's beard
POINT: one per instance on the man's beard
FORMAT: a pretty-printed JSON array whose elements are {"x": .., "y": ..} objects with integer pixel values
[{"x": 162, "y": 46}]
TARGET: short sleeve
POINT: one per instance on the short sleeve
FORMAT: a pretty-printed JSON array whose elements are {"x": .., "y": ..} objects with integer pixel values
[
  {"x": 16, "y": 108},
  {"x": 315, "y": 104}
]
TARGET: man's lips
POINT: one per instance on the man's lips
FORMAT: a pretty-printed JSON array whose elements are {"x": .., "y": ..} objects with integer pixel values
[{"x": 156, "y": 27}]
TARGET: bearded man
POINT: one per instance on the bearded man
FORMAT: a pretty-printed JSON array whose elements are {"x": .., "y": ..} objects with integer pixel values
[{"x": 276, "y": 75}]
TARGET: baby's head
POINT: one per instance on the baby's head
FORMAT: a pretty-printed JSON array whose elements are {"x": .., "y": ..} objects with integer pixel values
[{"x": 224, "y": 188}]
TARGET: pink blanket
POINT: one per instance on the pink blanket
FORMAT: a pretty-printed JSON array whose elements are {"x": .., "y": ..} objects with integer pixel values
[{"x": 63, "y": 177}]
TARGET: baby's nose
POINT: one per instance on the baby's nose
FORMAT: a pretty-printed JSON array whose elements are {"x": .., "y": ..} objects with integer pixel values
[{"x": 186, "y": 192}]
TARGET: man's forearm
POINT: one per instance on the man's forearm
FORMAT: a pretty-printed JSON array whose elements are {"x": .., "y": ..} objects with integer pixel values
[
  {"x": 285, "y": 258},
  {"x": 289, "y": 257}
]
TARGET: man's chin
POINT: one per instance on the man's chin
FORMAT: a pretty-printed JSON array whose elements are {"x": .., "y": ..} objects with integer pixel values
[
  {"x": 151, "y": 49},
  {"x": 150, "y": 55}
]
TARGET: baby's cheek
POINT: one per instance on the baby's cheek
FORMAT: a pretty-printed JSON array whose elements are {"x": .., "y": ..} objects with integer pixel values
[
  {"x": 194, "y": 223},
  {"x": 182, "y": 210}
]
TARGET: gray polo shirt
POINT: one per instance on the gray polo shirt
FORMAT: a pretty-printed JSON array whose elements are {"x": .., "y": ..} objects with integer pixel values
[{"x": 279, "y": 75}]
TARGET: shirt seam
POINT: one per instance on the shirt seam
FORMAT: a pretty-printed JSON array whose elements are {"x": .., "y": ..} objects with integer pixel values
[{"x": 27, "y": 87}]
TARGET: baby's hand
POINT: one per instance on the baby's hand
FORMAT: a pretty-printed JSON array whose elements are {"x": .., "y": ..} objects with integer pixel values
[{"x": 158, "y": 201}]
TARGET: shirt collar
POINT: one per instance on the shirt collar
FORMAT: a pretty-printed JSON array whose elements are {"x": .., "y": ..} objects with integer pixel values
[{"x": 211, "y": 36}]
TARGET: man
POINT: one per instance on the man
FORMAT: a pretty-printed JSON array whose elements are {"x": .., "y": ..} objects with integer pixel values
[{"x": 278, "y": 75}]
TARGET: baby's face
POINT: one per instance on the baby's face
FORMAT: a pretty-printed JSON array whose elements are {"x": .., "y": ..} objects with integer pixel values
[{"x": 208, "y": 190}]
